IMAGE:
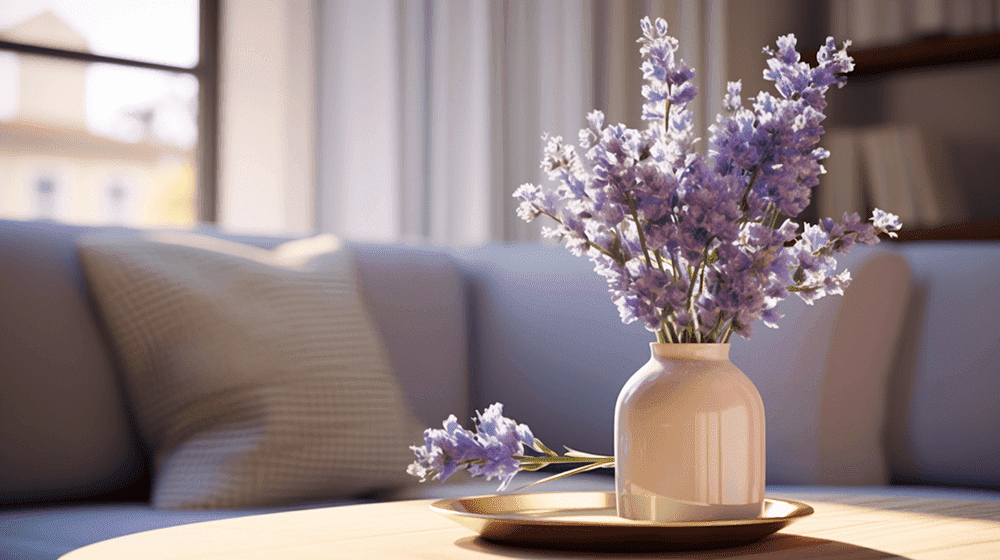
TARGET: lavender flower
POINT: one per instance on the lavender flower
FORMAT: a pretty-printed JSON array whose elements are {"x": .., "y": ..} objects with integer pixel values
[
  {"x": 885, "y": 222},
  {"x": 502, "y": 439},
  {"x": 690, "y": 245},
  {"x": 445, "y": 451},
  {"x": 669, "y": 79},
  {"x": 495, "y": 450}
]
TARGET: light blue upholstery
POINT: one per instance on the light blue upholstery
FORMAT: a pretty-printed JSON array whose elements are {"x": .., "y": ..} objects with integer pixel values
[
  {"x": 945, "y": 406},
  {"x": 415, "y": 296},
  {"x": 547, "y": 342},
  {"x": 64, "y": 430}
]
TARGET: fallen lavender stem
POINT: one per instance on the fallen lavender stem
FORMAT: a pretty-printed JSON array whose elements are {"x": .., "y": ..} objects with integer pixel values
[{"x": 495, "y": 449}]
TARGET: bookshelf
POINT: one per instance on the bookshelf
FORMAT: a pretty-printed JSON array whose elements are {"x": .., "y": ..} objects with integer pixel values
[
  {"x": 874, "y": 65},
  {"x": 926, "y": 52},
  {"x": 959, "y": 231}
]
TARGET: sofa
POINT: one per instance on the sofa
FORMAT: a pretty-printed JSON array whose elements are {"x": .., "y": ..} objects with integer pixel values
[{"x": 894, "y": 385}]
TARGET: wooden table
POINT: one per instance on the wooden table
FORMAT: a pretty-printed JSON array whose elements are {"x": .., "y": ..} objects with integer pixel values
[{"x": 845, "y": 525}]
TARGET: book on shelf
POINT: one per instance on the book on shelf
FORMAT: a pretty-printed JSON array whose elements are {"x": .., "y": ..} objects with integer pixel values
[
  {"x": 984, "y": 13},
  {"x": 867, "y": 23},
  {"x": 886, "y": 171},
  {"x": 839, "y": 16},
  {"x": 874, "y": 23},
  {"x": 952, "y": 205},
  {"x": 841, "y": 184},
  {"x": 889, "y": 21},
  {"x": 861, "y": 24},
  {"x": 966, "y": 17},
  {"x": 928, "y": 17},
  {"x": 899, "y": 168},
  {"x": 927, "y": 201}
]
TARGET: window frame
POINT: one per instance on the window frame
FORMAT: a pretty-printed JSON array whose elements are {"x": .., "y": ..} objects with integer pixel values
[{"x": 206, "y": 72}]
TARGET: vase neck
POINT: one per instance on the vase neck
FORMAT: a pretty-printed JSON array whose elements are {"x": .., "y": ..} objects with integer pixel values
[{"x": 689, "y": 351}]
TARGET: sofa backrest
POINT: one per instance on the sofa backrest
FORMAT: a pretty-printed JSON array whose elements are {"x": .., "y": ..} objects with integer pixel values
[
  {"x": 64, "y": 428},
  {"x": 944, "y": 417},
  {"x": 417, "y": 300},
  {"x": 546, "y": 341}
]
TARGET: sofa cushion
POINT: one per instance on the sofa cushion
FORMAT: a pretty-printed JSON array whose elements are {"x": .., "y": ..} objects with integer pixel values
[
  {"x": 64, "y": 431},
  {"x": 256, "y": 375},
  {"x": 547, "y": 342},
  {"x": 944, "y": 420}
]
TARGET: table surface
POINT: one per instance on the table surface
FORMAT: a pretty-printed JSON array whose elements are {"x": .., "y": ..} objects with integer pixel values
[{"x": 845, "y": 525}]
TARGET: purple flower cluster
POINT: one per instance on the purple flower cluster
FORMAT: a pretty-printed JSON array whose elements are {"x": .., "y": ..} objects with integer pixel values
[
  {"x": 698, "y": 248},
  {"x": 489, "y": 452},
  {"x": 772, "y": 147}
]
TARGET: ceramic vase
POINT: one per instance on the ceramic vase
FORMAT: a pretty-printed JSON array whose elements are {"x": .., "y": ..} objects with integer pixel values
[{"x": 689, "y": 438}]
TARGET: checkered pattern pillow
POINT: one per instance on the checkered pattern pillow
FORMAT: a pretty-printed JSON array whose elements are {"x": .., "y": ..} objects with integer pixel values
[{"x": 256, "y": 376}]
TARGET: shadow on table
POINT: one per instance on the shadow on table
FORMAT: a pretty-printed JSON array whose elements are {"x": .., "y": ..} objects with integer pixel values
[{"x": 780, "y": 545}]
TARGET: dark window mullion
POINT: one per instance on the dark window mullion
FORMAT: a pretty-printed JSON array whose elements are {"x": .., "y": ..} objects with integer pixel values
[
  {"x": 79, "y": 56},
  {"x": 208, "y": 110}
]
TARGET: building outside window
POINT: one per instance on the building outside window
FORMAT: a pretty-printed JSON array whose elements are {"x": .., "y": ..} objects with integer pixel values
[
  {"x": 45, "y": 198},
  {"x": 107, "y": 111}
]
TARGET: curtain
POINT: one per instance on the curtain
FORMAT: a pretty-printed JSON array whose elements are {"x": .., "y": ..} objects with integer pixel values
[{"x": 432, "y": 111}]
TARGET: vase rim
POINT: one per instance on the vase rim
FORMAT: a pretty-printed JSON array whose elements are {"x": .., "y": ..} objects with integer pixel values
[{"x": 690, "y": 350}]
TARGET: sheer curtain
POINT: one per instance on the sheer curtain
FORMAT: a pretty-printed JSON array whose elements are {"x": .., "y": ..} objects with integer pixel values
[{"x": 432, "y": 111}]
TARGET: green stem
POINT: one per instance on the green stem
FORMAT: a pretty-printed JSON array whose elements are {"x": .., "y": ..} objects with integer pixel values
[
  {"x": 774, "y": 218},
  {"x": 745, "y": 201},
  {"x": 638, "y": 227},
  {"x": 718, "y": 323},
  {"x": 590, "y": 243},
  {"x": 561, "y": 459},
  {"x": 729, "y": 333},
  {"x": 693, "y": 280},
  {"x": 541, "y": 446},
  {"x": 808, "y": 288}
]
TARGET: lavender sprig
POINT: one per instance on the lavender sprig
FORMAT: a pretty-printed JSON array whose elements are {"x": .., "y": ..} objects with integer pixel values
[
  {"x": 495, "y": 450},
  {"x": 698, "y": 248}
]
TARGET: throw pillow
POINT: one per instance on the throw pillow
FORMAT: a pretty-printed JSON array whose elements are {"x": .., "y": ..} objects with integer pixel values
[{"x": 256, "y": 376}]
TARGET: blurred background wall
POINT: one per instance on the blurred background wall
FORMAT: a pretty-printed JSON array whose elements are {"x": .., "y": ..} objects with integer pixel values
[{"x": 414, "y": 120}]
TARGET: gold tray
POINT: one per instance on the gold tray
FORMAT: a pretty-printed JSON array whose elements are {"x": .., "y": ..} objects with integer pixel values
[{"x": 588, "y": 521}]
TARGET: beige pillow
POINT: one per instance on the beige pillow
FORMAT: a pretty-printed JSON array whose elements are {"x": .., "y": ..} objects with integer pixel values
[{"x": 256, "y": 376}]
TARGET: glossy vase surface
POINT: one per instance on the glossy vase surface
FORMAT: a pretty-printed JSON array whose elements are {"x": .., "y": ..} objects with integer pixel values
[{"x": 689, "y": 438}]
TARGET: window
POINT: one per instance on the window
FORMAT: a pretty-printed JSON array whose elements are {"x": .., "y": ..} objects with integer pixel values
[{"x": 108, "y": 111}]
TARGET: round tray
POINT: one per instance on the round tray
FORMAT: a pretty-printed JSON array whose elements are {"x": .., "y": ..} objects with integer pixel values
[{"x": 588, "y": 521}]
